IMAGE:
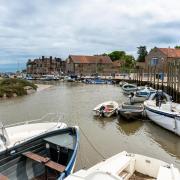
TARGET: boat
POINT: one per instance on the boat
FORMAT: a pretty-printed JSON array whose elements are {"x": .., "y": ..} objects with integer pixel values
[
  {"x": 48, "y": 156},
  {"x": 162, "y": 111},
  {"x": 130, "y": 111},
  {"x": 145, "y": 92},
  {"x": 124, "y": 166},
  {"x": 128, "y": 88},
  {"x": 106, "y": 109},
  {"x": 121, "y": 83},
  {"x": 20, "y": 132},
  {"x": 49, "y": 77}
]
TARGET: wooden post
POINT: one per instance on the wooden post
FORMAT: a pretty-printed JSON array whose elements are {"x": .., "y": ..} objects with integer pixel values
[
  {"x": 155, "y": 77},
  {"x": 178, "y": 82},
  {"x": 168, "y": 70},
  {"x": 157, "y": 87}
]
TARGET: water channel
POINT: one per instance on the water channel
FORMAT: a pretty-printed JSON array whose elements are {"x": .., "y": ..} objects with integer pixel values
[{"x": 99, "y": 138}]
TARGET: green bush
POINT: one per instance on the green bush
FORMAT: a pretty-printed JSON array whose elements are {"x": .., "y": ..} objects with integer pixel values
[{"x": 11, "y": 86}]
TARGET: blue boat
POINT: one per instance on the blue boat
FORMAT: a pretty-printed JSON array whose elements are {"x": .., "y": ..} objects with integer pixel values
[
  {"x": 51, "y": 155},
  {"x": 145, "y": 92},
  {"x": 98, "y": 81}
]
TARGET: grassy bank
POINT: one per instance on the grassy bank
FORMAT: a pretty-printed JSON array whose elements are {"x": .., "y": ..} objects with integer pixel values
[{"x": 14, "y": 87}]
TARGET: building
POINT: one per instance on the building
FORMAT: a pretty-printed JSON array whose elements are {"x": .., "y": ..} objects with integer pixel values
[
  {"x": 159, "y": 58},
  {"x": 45, "y": 65},
  {"x": 88, "y": 65}
]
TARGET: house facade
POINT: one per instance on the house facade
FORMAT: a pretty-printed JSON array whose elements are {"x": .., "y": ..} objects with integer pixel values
[
  {"x": 88, "y": 65},
  {"x": 45, "y": 65},
  {"x": 159, "y": 58}
]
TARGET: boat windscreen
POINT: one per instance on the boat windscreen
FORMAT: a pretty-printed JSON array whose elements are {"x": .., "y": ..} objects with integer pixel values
[{"x": 3, "y": 135}]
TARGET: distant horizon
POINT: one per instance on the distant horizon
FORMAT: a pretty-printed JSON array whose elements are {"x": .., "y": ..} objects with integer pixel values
[{"x": 11, "y": 67}]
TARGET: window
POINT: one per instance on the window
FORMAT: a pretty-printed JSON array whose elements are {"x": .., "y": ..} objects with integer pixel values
[{"x": 154, "y": 61}]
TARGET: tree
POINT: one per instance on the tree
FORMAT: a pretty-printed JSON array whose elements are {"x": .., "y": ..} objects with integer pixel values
[
  {"x": 117, "y": 55},
  {"x": 177, "y": 47},
  {"x": 129, "y": 61},
  {"x": 142, "y": 52}
]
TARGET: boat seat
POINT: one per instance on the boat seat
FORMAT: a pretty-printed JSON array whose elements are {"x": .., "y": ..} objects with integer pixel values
[
  {"x": 45, "y": 161},
  {"x": 2, "y": 177}
]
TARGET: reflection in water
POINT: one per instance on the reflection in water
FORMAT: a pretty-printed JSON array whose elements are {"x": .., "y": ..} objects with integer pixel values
[
  {"x": 103, "y": 121},
  {"x": 166, "y": 139},
  {"x": 129, "y": 128}
]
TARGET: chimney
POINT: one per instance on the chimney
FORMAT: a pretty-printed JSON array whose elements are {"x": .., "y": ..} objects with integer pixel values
[
  {"x": 43, "y": 58},
  {"x": 50, "y": 58}
]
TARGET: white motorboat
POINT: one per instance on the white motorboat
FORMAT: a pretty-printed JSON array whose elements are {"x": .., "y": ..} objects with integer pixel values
[
  {"x": 163, "y": 112},
  {"x": 106, "y": 109},
  {"x": 121, "y": 83},
  {"x": 124, "y": 166},
  {"x": 49, "y": 77},
  {"x": 18, "y": 133},
  {"x": 145, "y": 92},
  {"x": 129, "y": 88}
]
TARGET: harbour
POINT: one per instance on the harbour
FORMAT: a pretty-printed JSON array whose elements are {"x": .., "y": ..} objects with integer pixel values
[{"x": 100, "y": 137}]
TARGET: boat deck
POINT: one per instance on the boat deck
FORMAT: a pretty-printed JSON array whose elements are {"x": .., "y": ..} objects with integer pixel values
[{"x": 139, "y": 176}]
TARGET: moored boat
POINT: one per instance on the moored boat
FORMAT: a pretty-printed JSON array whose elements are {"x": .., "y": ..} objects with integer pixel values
[
  {"x": 106, "y": 109},
  {"x": 163, "y": 112},
  {"x": 48, "y": 156},
  {"x": 130, "y": 111},
  {"x": 18, "y": 133},
  {"x": 145, "y": 92},
  {"x": 124, "y": 166},
  {"x": 129, "y": 88}
]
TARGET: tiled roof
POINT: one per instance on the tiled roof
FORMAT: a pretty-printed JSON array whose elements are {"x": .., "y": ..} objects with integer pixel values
[
  {"x": 91, "y": 59},
  {"x": 171, "y": 52}
]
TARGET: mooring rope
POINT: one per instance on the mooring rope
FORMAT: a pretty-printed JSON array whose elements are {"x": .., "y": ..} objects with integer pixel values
[{"x": 91, "y": 144}]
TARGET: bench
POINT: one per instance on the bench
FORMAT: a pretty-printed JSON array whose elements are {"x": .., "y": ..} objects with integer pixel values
[{"x": 45, "y": 161}]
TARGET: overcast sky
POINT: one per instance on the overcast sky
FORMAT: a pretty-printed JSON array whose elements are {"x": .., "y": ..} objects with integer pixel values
[{"x": 32, "y": 28}]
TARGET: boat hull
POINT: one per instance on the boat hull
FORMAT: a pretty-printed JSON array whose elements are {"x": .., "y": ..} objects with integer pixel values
[
  {"x": 166, "y": 120},
  {"x": 58, "y": 147},
  {"x": 130, "y": 115}
]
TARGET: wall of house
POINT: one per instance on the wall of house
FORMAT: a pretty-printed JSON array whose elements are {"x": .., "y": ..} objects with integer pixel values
[
  {"x": 45, "y": 66},
  {"x": 162, "y": 60}
]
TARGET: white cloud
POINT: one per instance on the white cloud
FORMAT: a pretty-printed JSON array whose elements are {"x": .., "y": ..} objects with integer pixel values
[{"x": 44, "y": 27}]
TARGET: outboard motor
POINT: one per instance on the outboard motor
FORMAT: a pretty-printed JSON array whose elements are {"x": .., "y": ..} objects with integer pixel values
[{"x": 101, "y": 110}]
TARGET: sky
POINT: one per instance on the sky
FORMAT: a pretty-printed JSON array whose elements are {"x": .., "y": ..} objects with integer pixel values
[{"x": 30, "y": 29}]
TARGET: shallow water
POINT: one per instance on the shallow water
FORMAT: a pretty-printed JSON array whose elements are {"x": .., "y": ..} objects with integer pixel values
[{"x": 100, "y": 138}]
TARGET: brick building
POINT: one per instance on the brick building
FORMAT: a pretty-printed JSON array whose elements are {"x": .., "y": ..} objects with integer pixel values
[
  {"x": 88, "y": 65},
  {"x": 45, "y": 65},
  {"x": 159, "y": 58}
]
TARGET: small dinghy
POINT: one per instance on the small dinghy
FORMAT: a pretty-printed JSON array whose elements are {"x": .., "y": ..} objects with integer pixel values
[
  {"x": 161, "y": 110},
  {"x": 106, "y": 109},
  {"x": 129, "y": 88},
  {"x": 130, "y": 111},
  {"x": 48, "y": 156},
  {"x": 124, "y": 166},
  {"x": 23, "y": 131}
]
